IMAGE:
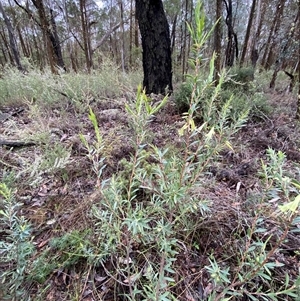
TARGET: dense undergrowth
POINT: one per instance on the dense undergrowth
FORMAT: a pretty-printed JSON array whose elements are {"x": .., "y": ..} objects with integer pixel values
[{"x": 149, "y": 228}]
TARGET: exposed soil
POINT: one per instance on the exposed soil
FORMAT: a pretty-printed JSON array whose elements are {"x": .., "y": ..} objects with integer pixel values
[{"x": 60, "y": 201}]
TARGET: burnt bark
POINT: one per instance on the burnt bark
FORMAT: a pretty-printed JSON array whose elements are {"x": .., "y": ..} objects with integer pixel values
[
  {"x": 55, "y": 42},
  {"x": 156, "y": 44},
  {"x": 232, "y": 50}
]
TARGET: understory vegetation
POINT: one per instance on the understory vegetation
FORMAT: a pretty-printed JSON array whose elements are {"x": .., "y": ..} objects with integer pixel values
[{"x": 123, "y": 196}]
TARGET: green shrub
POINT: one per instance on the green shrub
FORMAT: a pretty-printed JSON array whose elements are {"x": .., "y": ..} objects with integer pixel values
[
  {"x": 63, "y": 252},
  {"x": 142, "y": 220},
  {"x": 238, "y": 87},
  {"x": 16, "y": 246},
  {"x": 255, "y": 264},
  {"x": 240, "y": 78}
]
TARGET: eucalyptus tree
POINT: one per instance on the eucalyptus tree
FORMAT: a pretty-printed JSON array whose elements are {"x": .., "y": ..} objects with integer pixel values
[
  {"x": 12, "y": 39},
  {"x": 248, "y": 31},
  {"x": 179, "y": 13},
  {"x": 287, "y": 54},
  {"x": 86, "y": 7},
  {"x": 43, "y": 16},
  {"x": 267, "y": 56},
  {"x": 218, "y": 39}
]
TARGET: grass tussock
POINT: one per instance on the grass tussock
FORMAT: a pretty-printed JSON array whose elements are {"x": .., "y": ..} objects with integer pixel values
[{"x": 46, "y": 88}]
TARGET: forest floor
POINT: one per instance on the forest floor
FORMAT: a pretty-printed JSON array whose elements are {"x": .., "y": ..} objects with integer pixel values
[{"x": 57, "y": 194}]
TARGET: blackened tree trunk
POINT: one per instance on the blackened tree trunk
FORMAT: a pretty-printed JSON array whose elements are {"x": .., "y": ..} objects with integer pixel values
[
  {"x": 156, "y": 44},
  {"x": 55, "y": 42},
  {"x": 232, "y": 50}
]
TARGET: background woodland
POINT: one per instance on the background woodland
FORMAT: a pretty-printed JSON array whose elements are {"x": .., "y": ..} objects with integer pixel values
[{"x": 79, "y": 35}]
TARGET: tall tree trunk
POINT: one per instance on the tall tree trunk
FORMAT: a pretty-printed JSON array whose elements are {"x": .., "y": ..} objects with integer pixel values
[
  {"x": 184, "y": 42},
  {"x": 130, "y": 33},
  {"x": 12, "y": 39},
  {"x": 189, "y": 37},
  {"x": 85, "y": 35},
  {"x": 298, "y": 102},
  {"x": 271, "y": 53},
  {"x": 173, "y": 32},
  {"x": 51, "y": 41},
  {"x": 7, "y": 54},
  {"x": 45, "y": 29},
  {"x": 249, "y": 26},
  {"x": 123, "y": 36},
  {"x": 217, "y": 40},
  {"x": 181, "y": 37},
  {"x": 55, "y": 42},
  {"x": 36, "y": 52},
  {"x": 284, "y": 50},
  {"x": 25, "y": 50},
  {"x": 136, "y": 33},
  {"x": 156, "y": 43},
  {"x": 277, "y": 20},
  {"x": 232, "y": 44}
]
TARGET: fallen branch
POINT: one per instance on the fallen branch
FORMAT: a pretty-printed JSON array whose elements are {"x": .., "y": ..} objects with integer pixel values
[{"x": 16, "y": 143}]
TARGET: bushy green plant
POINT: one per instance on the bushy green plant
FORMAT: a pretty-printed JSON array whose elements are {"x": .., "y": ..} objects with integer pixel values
[
  {"x": 140, "y": 221},
  {"x": 63, "y": 252},
  {"x": 146, "y": 218},
  {"x": 96, "y": 149},
  {"x": 53, "y": 161},
  {"x": 253, "y": 275},
  {"x": 16, "y": 246},
  {"x": 240, "y": 78},
  {"x": 238, "y": 84},
  {"x": 241, "y": 101}
]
